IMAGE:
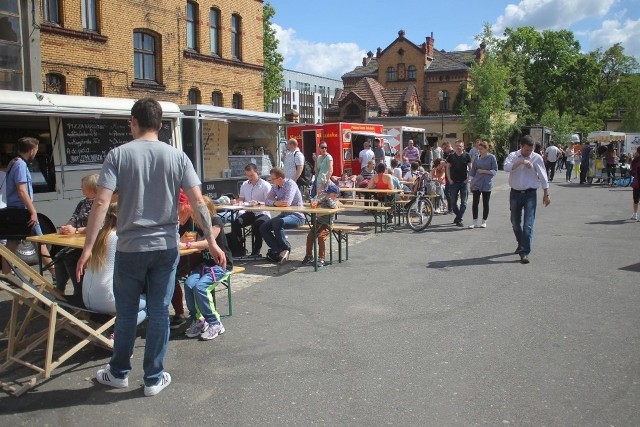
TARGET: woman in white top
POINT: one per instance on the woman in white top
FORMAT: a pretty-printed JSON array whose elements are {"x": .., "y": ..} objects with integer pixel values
[
  {"x": 569, "y": 161},
  {"x": 97, "y": 284}
]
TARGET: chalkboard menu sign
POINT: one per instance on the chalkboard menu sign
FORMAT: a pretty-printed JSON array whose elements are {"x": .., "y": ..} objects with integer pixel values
[{"x": 88, "y": 141}]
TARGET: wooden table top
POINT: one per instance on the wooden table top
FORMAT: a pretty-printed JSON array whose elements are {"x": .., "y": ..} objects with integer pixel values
[{"x": 260, "y": 208}]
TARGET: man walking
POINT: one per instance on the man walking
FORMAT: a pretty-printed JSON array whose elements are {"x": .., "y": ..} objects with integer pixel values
[
  {"x": 553, "y": 155},
  {"x": 19, "y": 191},
  {"x": 457, "y": 169},
  {"x": 526, "y": 173},
  {"x": 148, "y": 175}
]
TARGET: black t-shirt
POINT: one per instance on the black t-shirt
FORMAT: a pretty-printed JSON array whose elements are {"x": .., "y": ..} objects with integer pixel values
[
  {"x": 221, "y": 240},
  {"x": 458, "y": 170}
]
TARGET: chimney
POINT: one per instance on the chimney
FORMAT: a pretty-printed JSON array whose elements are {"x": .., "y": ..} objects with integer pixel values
[
  {"x": 429, "y": 45},
  {"x": 480, "y": 53},
  {"x": 367, "y": 59},
  {"x": 378, "y": 52}
]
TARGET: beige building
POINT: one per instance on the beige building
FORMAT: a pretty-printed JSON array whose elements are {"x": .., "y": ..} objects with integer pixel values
[{"x": 182, "y": 51}]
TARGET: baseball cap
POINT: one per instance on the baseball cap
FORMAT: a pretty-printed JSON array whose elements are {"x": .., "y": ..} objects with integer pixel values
[{"x": 331, "y": 188}]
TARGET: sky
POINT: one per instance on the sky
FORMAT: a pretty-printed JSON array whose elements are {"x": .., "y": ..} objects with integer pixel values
[{"x": 330, "y": 37}]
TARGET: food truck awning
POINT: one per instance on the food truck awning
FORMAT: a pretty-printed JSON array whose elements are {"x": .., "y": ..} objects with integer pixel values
[
  {"x": 371, "y": 134},
  {"x": 605, "y": 136}
]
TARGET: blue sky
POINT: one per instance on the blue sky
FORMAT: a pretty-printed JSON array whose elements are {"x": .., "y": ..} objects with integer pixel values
[{"x": 330, "y": 37}]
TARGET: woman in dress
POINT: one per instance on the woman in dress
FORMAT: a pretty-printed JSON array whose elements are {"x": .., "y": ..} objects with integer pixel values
[{"x": 483, "y": 169}]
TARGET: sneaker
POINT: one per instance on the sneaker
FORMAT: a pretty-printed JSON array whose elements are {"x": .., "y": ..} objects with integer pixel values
[
  {"x": 196, "y": 328},
  {"x": 104, "y": 376},
  {"x": 458, "y": 223},
  {"x": 212, "y": 331},
  {"x": 484, "y": 224},
  {"x": 308, "y": 259},
  {"x": 634, "y": 216},
  {"x": 321, "y": 263},
  {"x": 284, "y": 256},
  {"x": 177, "y": 321},
  {"x": 152, "y": 390},
  {"x": 475, "y": 224},
  {"x": 524, "y": 259}
]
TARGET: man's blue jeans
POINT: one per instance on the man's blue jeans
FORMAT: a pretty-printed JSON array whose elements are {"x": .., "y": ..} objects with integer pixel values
[
  {"x": 154, "y": 274},
  {"x": 519, "y": 202},
  {"x": 273, "y": 231},
  {"x": 454, "y": 189}
]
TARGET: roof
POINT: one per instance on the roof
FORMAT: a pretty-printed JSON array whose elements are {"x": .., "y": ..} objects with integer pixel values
[
  {"x": 451, "y": 61},
  {"x": 369, "y": 70},
  {"x": 376, "y": 96}
]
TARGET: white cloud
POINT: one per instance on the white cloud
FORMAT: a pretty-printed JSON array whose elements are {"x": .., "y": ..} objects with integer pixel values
[
  {"x": 613, "y": 31},
  {"x": 322, "y": 59},
  {"x": 550, "y": 14},
  {"x": 465, "y": 46}
]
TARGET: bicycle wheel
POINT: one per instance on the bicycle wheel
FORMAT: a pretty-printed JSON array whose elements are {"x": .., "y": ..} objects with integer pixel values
[{"x": 419, "y": 213}]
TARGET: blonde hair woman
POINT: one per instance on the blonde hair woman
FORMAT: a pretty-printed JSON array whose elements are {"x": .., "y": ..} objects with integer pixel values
[{"x": 97, "y": 284}]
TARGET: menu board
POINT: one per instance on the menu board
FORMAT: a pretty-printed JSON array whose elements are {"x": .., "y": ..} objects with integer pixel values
[{"x": 87, "y": 141}]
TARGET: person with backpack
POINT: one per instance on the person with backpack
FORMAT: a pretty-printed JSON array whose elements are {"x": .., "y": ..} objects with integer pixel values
[{"x": 293, "y": 160}]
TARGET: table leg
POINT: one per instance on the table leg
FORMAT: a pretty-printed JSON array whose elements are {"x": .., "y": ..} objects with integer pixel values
[{"x": 315, "y": 241}]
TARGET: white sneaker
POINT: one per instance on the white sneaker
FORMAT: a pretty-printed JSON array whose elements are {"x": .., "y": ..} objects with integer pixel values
[
  {"x": 484, "y": 224},
  {"x": 196, "y": 328},
  {"x": 104, "y": 376},
  {"x": 475, "y": 224},
  {"x": 152, "y": 390},
  {"x": 634, "y": 216},
  {"x": 212, "y": 331}
]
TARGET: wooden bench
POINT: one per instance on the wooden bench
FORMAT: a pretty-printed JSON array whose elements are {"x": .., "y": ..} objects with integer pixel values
[
  {"x": 341, "y": 233},
  {"x": 226, "y": 282}
]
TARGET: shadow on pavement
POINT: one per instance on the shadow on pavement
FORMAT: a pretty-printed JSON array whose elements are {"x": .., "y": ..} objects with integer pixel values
[
  {"x": 489, "y": 259},
  {"x": 611, "y": 222},
  {"x": 632, "y": 267}
]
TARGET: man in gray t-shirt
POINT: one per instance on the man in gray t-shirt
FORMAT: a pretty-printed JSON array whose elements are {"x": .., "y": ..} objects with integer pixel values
[{"x": 148, "y": 175}]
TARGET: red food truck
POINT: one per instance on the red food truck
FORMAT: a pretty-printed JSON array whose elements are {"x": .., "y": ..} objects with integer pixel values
[{"x": 344, "y": 142}]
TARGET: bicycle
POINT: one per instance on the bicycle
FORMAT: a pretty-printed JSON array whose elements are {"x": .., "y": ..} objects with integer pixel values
[{"x": 420, "y": 209}]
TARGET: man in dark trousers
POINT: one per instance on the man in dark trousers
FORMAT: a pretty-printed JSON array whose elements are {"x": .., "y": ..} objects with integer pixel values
[{"x": 458, "y": 164}]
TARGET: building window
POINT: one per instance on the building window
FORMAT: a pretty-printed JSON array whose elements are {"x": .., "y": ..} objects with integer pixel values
[
  {"x": 192, "y": 27},
  {"x": 10, "y": 46},
  {"x": 443, "y": 96},
  {"x": 353, "y": 111},
  {"x": 89, "y": 15},
  {"x": 51, "y": 11},
  {"x": 411, "y": 72},
  {"x": 54, "y": 83},
  {"x": 214, "y": 31},
  {"x": 92, "y": 87},
  {"x": 237, "y": 101},
  {"x": 236, "y": 36},
  {"x": 194, "y": 96},
  {"x": 391, "y": 74},
  {"x": 145, "y": 49},
  {"x": 216, "y": 98}
]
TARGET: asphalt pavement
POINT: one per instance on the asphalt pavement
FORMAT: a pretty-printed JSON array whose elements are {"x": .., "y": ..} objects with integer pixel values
[{"x": 444, "y": 327}]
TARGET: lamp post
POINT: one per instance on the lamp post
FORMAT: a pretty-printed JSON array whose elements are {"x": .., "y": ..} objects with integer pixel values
[{"x": 441, "y": 97}]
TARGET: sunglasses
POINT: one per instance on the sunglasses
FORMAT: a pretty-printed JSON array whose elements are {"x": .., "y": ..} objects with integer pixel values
[{"x": 323, "y": 147}]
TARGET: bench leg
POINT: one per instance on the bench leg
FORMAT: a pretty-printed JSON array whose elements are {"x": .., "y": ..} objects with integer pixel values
[{"x": 339, "y": 247}]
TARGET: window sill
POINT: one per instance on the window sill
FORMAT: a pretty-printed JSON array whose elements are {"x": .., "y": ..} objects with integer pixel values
[
  {"x": 148, "y": 85},
  {"x": 52, "y": 28},
  {"x": 216, "y": 59}
]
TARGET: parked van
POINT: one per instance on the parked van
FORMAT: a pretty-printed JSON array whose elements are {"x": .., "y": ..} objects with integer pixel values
[{"x": 75, "y": 134}]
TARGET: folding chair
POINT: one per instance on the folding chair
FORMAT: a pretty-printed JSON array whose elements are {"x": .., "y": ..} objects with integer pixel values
[{"x": 33, "y": 293}]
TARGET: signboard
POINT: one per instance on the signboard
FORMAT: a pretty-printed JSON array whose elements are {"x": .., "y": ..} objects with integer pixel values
[{"x": 87, "y": 141}]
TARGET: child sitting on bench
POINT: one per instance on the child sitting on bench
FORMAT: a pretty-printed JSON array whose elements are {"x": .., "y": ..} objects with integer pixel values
[{"x": 326, "y": 200}]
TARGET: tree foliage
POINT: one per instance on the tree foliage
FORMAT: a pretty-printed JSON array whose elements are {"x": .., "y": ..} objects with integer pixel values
[
  {"x": 546, "y": 80},
  {"x": 272, "y": 77}
]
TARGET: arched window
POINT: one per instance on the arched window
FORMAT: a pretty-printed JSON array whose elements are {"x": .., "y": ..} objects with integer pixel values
[
  {"x": 146, "y": 48},
  {"x": 194, "y": 96},
  {"x": 54, "y": 83},
  {"x": 192, "y": 25},
  {"x": 391, "y": 74},
  {"x": 236, "y": 36},
  {"x": 214, "y": 31},
  {"x": 216, "y": 98},
  {"x": 411, "y": 72},
  {"x": 92, "y": 86},
  {"x": 237, "y": 101}
]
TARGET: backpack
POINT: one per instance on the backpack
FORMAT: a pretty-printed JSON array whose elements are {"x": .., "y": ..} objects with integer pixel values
[{"x": 306, "y": 177}]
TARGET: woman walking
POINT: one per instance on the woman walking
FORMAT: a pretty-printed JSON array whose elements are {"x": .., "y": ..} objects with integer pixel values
[
  {"x": 569, "y": 161},
  {"x": 635, "y": 172},
  {"x": 483, "y": 169}
]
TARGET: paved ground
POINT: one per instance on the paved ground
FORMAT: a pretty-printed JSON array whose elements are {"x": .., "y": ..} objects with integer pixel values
[{"x": 437, "y": 328}]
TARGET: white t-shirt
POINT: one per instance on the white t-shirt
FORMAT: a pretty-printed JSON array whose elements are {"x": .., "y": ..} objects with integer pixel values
[
  {"x": 552, "y": 153},
  {"x": 97, "y": 285},
  {"x": 365, "y": 156},
  {"x": 256, "y": 192},
  {"x": 291, "y": 163},
  {"x": 569, "y": 153}
]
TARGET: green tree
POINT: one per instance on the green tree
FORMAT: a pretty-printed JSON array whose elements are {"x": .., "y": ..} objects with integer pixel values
[
  {"x": 486, "y": 112},
  {"x": 629, "y": 96},
  {"x": 272, "y": 77}
]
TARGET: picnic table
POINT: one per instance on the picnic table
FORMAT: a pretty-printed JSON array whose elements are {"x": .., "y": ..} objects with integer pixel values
[{"x": 309, "y": 212}]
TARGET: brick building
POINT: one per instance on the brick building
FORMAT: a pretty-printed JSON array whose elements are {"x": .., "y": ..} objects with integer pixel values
[{"x": 182, "y": 51}]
